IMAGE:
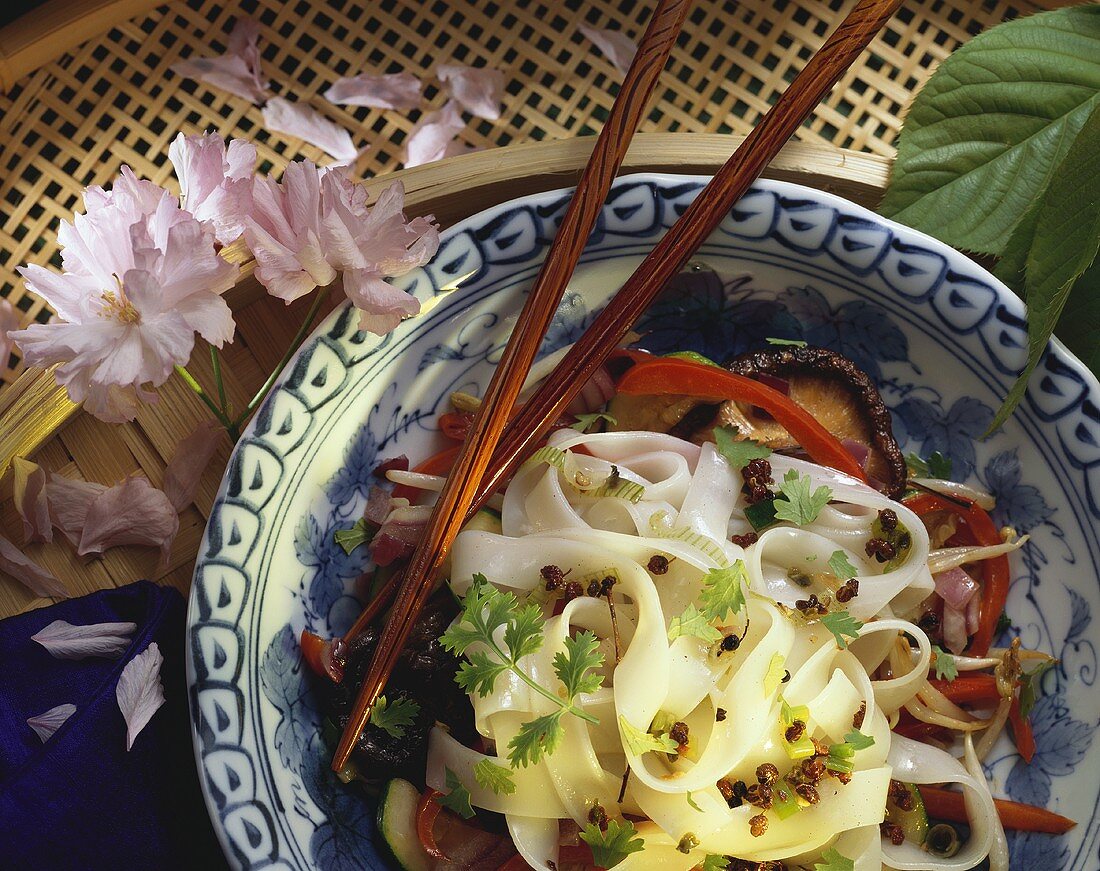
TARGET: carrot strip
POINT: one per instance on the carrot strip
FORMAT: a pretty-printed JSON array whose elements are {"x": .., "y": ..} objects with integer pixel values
[{"x": 946, "y": 804}]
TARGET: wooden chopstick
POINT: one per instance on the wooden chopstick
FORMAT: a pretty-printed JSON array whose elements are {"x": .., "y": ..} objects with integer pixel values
[
  {"x": 461, "y": 487},
  {"x": 677, "y": 246}
]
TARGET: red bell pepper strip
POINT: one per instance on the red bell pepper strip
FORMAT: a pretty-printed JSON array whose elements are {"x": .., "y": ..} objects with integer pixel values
[
  {"x": 995, "y": 571},
  {"x": 946, "y": 804},
  {"x": 317, "y": 653},
  {"x": 427, "y": 809},
  {"x": 456, "y": 424},
  {"x": 1021, "y": 731},
  {"x": 981, "y": 689},
  {"x": 675, "y": 376}
]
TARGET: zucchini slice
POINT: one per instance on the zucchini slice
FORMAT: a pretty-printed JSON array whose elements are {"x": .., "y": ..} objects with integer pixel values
[{"x": 397, "y": 825}]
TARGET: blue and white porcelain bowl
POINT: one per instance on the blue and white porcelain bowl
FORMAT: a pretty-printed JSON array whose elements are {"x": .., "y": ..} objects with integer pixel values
[{"x": 939, "y": 335}]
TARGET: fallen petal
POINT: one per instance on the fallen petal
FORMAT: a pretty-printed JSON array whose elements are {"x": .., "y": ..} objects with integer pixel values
[
  {"x": 69, "y": 502},
  {"x": 393, "y": 91},
  {"x": 29, "y": 573},
  {"x": 140, "y": 691},
  {"x": 298, "y": 119},
  {"x": 131, "y": 512},
  {"x": 432, "y": 135},
  {"x": 479, "y": 90},
  {"x": 9, "y": 322},
  {"x": 29, "y": 495},
  {"x": 48, "y": 722},
  {"x": 619, "y": 48},
  {"x": 238, "y": 70},
  {"x": 66, "y": 641},
  {"x": 191, "y": 457}
]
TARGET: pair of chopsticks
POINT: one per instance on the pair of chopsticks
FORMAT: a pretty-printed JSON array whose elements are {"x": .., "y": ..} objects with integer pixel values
[{"x": 495, "y": 447}]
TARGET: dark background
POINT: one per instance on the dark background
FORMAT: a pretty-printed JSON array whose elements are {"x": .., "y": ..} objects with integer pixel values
[{"x": 14, "y": 8}]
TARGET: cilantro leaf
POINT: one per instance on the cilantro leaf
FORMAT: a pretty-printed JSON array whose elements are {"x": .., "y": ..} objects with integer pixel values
[
  {"x": 738, "y": 452},
  {"x": 585, "y": 422},
  {"x": 944, "y": 663},
  {"x": 1031, "y": 684},
  {"x": 535, "y": 738},
  {"x": 458, "y": 797},
  {"x": 831, "y": 860},
  {"x": 936, "y": 466},
  {"x": 349, "y": 539},
  {"x": 639, "y": 742},
  {"x": 479, "y": 673},
  {"x": 858, "y": 741},
  {"x": 722, "y": 591},
  {"x": 714, "y": 862},
  {"x": 498, "y": 778},
  {"x": 774, "y": 675},
  {"x": 394, "y": 716},
  {"x": 575, "y": 667},
  {"x": 523, "y": 634},
  {"x": 611, "y": 847},
  {"x": 1004, "y": 622},
  {"x": 693, "y": 623},
  {"x": 800, "y": 505},
  {"x": 843, "y": 626},
  {"x": 841, "y": 566},
  {"x": 797, "y": 343}
]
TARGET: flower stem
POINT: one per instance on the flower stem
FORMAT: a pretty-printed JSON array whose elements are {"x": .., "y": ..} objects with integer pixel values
[
  {"x": 216, "y": 363},
  {"x": 295, "y": 343},
  {"x": 223, "y": 418}
]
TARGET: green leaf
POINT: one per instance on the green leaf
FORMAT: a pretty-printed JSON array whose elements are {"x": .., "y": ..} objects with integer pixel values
[
  {"x": 458, "y": 798},
  {"x": 1080, "y": 322},
  {"x": 1065, "y": 242},
  {"x": 585, "y": 422},
  {"x": 693, "y": 623},
  {"x": 714, "y": 862},
  {"x": 694, "y": 357},
  {"x": 723, "y": 592},
  {"x": 523, "y": 633},
  {"x": 982, "y": 138},
  {"x": 479, "y": 673},
  {"x": 498, "y": 778},
  {"x": 1031, "y": 684},
  {"x": 639, "y": 742},
  {"x": 575, "y": 667},
  {"x": 831, "y": 860},
  {"x": 841, "y": 566},
  {"x": 394, "y": 716},
  {"x": 843, "y": 626},
  {"x": 611, "y": 847},
  {"x": 800, "y": 505},
  {"x": 539, "y": 736},
  {"x": 936, "y": 466},
  {"x": 738, "y": 452},
  {"x": 797, "y": 343},
  {"x": 350, "y": 539},
  {"x": 858, "y": 741},
  {"x": 944, "y": 663}
]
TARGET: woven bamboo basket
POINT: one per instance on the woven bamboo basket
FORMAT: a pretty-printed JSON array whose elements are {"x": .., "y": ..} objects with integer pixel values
[{"x": 85, "y": 86}]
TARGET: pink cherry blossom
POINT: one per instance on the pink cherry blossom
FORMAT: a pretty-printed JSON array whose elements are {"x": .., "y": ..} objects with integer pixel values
[
  {"x": 190, "y": 459},
  {"x": 306, "y": 123},
  {"x": 432, "y": 136},
  {"x": 238, "y": 70},
  {"x": 9, "y": 322},
  {"x": 315, "y": 225},
  {"x": 69, "y": 500},
  {"x": 29, "y": 497},
  {"x": 619, "y": 48},
  {"x": 141, "y": 277},
  {"x": 393, "y": 91},
  {"x": 215, "y": 181},
  {"x": 133, "y": 511},
  {"x": 479, "y": 90}
]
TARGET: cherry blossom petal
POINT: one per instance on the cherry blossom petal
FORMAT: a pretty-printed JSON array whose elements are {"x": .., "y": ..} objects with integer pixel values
[
  {"x": 140, "y": 691},
  {"x": 29, "y": 573},
  {"x": 215, "y": 180},
  {"x": 190, "y": 459},
  {"x": 131, "y": 512},
  {"x": 393, "y": 91},
  {"x": 306, "y": 123},
  {"x": 456, "y": 148},
  {"x": 29, "y": 496},
  {"x": 479, "y": 90},
  {"x": 238, "y": 70},
  {"x": 9, "y": 322},
  {"x": 69, "y": 501},
  {"x": 619, "y": 48},
  {"x": 430, "y": 137},
  {"x": 48, "y": 722},
  {"x": 381, "y": 305},
  {"x": 65, "y": 641}
]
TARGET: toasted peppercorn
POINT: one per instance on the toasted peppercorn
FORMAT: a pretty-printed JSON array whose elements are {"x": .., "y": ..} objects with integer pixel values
[
  {"x": 894, "y": 832},
  {"x": 786, "y": 676},
  {"x": 746, "y": 540},
  {"x": 807, "y": 793},
  {"x": 553, "y": 576},
  {"x": 847, "y": 591},
  {"x": 820, "y": 747},
  {"x": 730, "y": 643},
  {"x": 759, "y": 795},
  {"x": 598, "y": 816},
  {"x": 795, "y": 731},
  {"x": 857, "y": 717},
  {"x": 687, "y": 843},
  {"x": 719, "y": 714},
  {"x": 733, "y": 793},
  {"x": 758, "y": 825},
  {"x": 573, "y": 590},
  {"x": 881, "y": 550},
  {"x": 811, "y": 606},
  {"x": 679, "y": 733},
  {"x": 889, "y": 519},
  {"x": 842, "y": 777},
  {"x": 813, "y": 769},
  {"x": 607, "y": 584},
  {"x": 901, "y": 796},
  {"x": 658, "y": 564},
  {"x": 757, "y": 475},
  {"x": 929, "y": 621},
  {"x": 593, "y": 589},
  {"x": 767, "y": 773}
]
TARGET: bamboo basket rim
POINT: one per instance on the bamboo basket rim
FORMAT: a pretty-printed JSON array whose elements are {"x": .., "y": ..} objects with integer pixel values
[{"x": 34, "y": 407}]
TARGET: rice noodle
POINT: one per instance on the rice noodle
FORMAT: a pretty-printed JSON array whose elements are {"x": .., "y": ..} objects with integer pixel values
[
  {"x": 952, "y": 557},
  {"x": 960, "y": 491}
]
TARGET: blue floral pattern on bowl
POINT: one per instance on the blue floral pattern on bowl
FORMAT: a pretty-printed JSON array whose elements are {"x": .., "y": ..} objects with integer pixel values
[{"x": 939, "y": 335}]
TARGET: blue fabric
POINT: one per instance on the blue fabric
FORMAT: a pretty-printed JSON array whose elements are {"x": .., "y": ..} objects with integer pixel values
[{"x": 81, "y": 801}]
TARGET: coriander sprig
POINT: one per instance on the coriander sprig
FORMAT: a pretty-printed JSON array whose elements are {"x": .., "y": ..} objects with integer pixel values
[{"x": 485, "y": 612}]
